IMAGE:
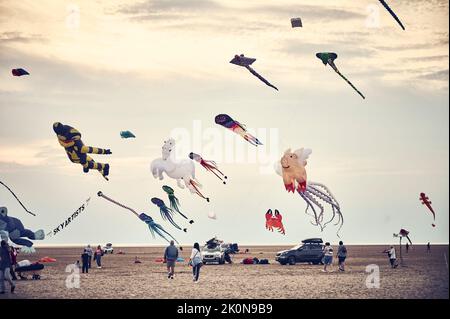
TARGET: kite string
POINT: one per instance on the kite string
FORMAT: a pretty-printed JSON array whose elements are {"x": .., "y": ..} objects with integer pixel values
[{"x": 17, "y": 199}]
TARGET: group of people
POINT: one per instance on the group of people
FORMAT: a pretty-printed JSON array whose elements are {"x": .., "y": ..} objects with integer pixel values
[
  {"x": 8, "y": 258},
  {"x": 195, "y": 261},
  {"x": 87, "y": 256},
  {"x": 328, "y": 256}
]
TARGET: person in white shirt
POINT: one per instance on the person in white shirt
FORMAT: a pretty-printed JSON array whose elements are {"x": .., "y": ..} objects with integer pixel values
[
  {"x": 196, "y": 262},
  {"x": 328, "y": 256},
  {"x": 392, "y": 257}
]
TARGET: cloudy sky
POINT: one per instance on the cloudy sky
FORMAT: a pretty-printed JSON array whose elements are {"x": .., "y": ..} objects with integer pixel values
[{"x": 160, "y": 68}]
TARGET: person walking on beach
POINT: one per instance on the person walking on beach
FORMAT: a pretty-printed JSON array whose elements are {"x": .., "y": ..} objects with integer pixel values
[
  {"x": 98, "y": 256},
  {"x": 342, "y": 255},
  {"x": 90, "y": 253},
  {"x": 171, "y": 256},
  {"x": 196, "y": 262},
  {"x": 407, "y": 247},
  {"x": 392, "y": 257},
  {"x": 13, "y": 254},
  {"x": 328, "y": 256},
  {"x": 428, "y": 247},
  {"x": 85, "y": 261},
  {"x": 5, "y": 265}
]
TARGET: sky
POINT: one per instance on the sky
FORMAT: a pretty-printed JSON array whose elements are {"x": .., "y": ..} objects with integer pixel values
[{"x": 161, "y": 69}]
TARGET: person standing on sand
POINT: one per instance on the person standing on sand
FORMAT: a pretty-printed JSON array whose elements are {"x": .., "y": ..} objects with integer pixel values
[
  {"x": 428, "y": 247},
  {"x": 13, "y": 254},
  {"x": 85, "y": 262},
  {"x": 407, "y": 247},
  {"x": 98, "y": 256},
  {"x": 328, "y": 256},
  {"x": 342, "y": 255},
  {"x": 170, "y": 256},
  {"x": 392, "y": 257},
  {"x": 89, "y": 251},
  {"x": 196, "y": 262},
  {"x": 5, "y": 265}
]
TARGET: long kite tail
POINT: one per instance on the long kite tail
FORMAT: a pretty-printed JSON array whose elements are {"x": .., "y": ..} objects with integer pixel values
[
  {"x": 350, "y": 83},
  {"x": 196, "y": 185},
  {"x": 252, "y": 71},
  {"x": 100, "y": 194},
  {"x": 212, "y": 167},
  {"x": 158, "y": 229},
  {"x": 175, "y": 205},
  {"x": 17, "y": 199},
  {"x": 392, "y": 13},
  {"x": 167, "y": 214}
]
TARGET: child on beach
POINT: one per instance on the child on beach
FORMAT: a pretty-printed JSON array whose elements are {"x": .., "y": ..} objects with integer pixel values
[
  {"x": 392, "y": 257},
  {"x": 342, "y": 255},
  {"x": 328, "y": 256}
]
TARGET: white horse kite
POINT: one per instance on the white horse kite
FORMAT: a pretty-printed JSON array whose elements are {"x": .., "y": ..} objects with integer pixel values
[{"x": 182, "y": 171}]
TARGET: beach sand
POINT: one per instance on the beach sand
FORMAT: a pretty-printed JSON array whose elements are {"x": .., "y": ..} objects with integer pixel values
[{"x": 425, "y": 275}]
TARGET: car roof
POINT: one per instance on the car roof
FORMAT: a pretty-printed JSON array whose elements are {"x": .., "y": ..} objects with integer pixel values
[{"x": 313, "y": 241}]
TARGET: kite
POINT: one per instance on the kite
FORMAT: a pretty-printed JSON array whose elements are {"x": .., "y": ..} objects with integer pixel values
[
  {"x": 69, "y": 219},
  {"x": 166, "y": 212},
  {"x": 12, "y": 228},
  {"x": 238, "y": 128},
  {"x": 426, "y": 201},
  {"x": 209, "y": 165},
  {"x": 274, "y": 221},
  {"x": 245, "y": 62},
  {"x": 19, "y": 72},
  {"x": 183, "y": 170},
  {"x": 174, "y": 203},
  {"x": 6, "y": 186},
  {"x": 70, "y": 139},
  {"x": 292, "y": 168},
  {"x": 402, "y": 234},
  {"x": 152, "y": 226},
  {"x": 212, "y": 215},
  {"x": 392, "y": 13},
  {"x": 296, "y": 23},
  {"x": 328, "y": 58},
  {"x": 127, "y": 134}
]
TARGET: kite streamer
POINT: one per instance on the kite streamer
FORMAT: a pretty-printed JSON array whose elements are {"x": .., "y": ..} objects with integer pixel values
[
  {"x": 17, "y": 198},
  {"x": 69, "y": 219}
]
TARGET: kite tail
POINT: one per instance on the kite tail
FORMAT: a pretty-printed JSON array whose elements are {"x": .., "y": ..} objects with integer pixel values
[
  {"x": 195, "y": 186},
  {"x": 350, "y": 83},
  {"x": 174, "y": 204},
  {"x": 100, "y": 194},
  {"x": 212, "y": 167},
  {"x": 166, "y": 214},
  {"x": 17, "y": 198},
  {"x": 158, "y": 229},
  {"x": 392, "y": 13},
  {"x": 251, "y": 139}
]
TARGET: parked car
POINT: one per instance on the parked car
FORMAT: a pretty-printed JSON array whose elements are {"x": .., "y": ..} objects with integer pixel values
[
  {"x": 214, "y": 254},
  {"x": 108, "y": 249},
  {"x": 309, "y": 251}
]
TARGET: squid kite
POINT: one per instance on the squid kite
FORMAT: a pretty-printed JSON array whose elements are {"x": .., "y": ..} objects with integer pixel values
[
  {"x": 127, "y": 134},
  {"x": 9, "y": 189},
  {"x": 70, "y": 139},
  {"x": 274, "y": 221},
  {"x": 152, "y": 225},
  {"x": 426, "y": 201},
  {"x": 238, "y": 128},
  {"x": 292, "y": 168},
  {"x": 174, "y": 202},
  {"x": 167, "y": 212},
  {"x": 402, "y": 234},
  {"x": 392, "y": 13},
  {"x": 245, "y": 62},
  {"x": 19, "y": 72},
  {"x": 209, "y": 165},
  {"x": 328, "y": 58}
]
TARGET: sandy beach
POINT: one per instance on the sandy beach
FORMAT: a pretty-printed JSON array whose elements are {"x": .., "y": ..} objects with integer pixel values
[{"x": 425, "y": 275}]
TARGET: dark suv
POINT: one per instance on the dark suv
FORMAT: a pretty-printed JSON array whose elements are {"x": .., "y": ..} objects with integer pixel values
[{"x": 309, "y": 251}]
